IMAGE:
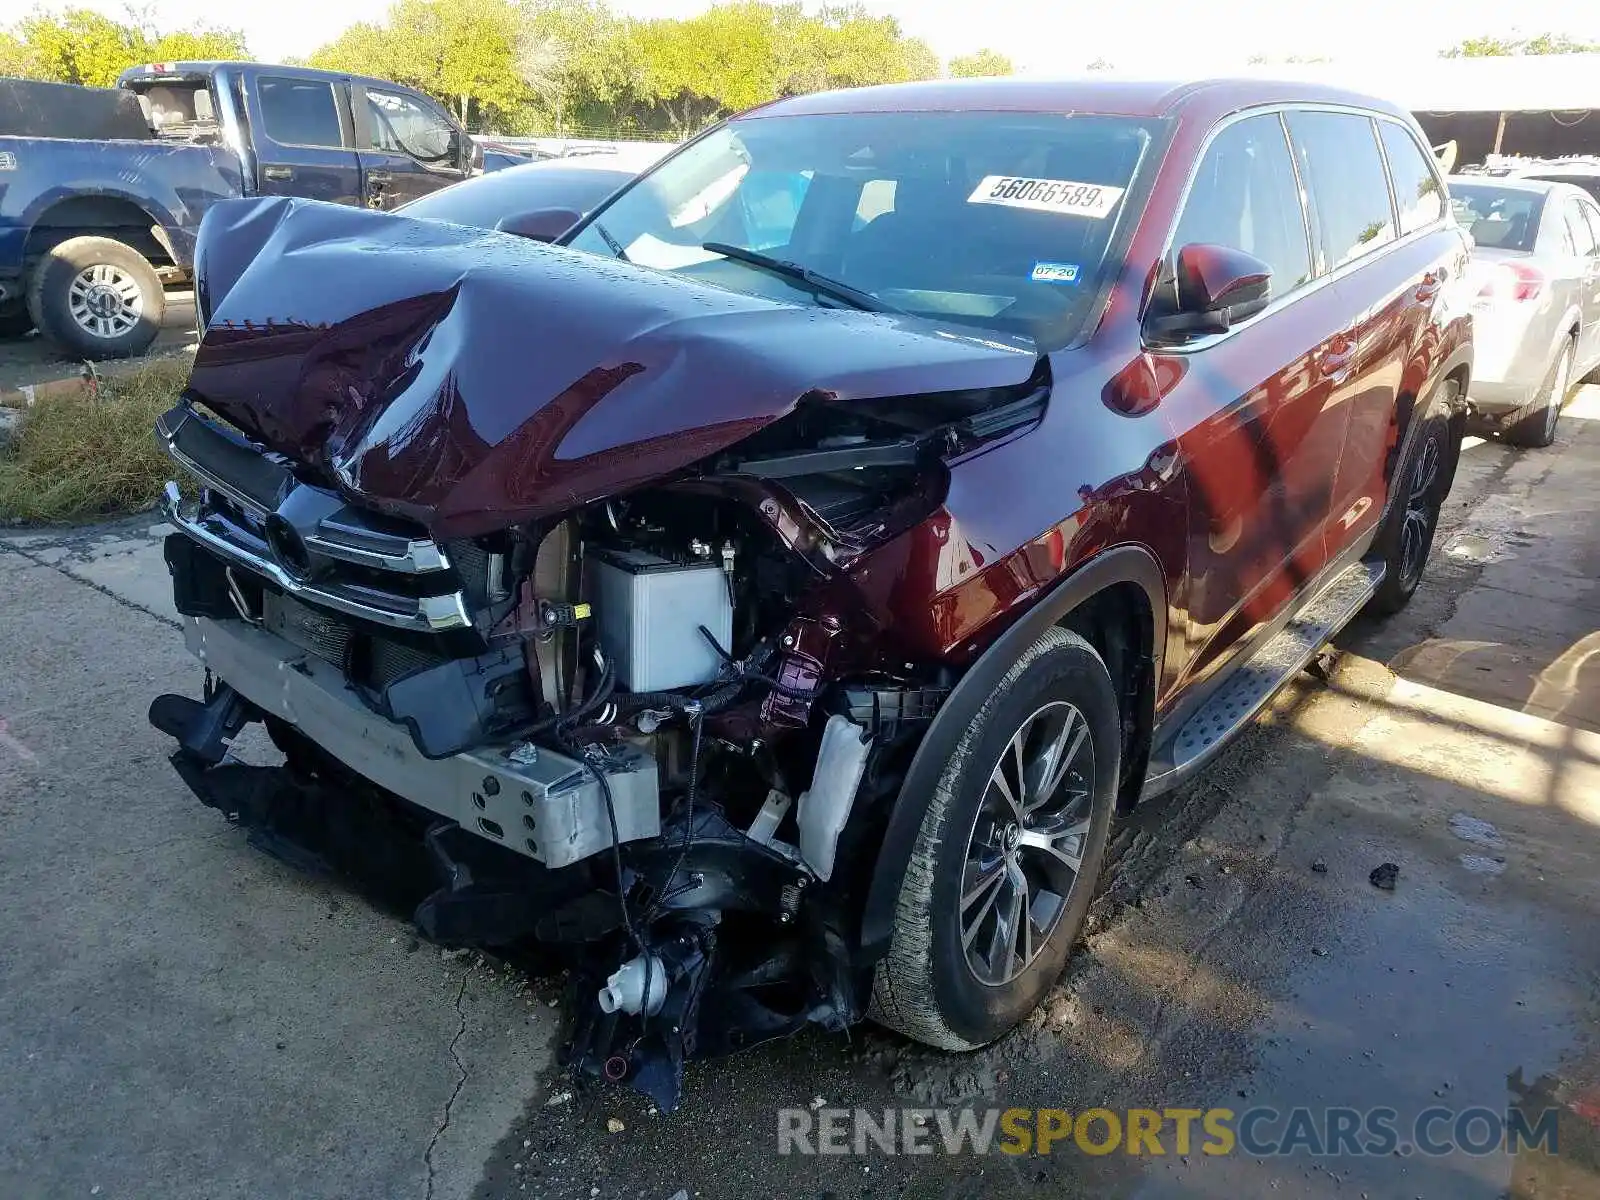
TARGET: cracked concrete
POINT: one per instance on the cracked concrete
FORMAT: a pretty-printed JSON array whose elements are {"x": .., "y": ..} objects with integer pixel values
[
  {"x": 181, "y": 1016},
  {"x": 449, "y": 1104}
]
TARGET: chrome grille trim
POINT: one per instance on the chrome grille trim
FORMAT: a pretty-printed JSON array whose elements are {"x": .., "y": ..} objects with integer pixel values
[
  {"x": 339, "y": 539},
  {"x": 238, "y": 547},
  {"x": 204, "y": 451}
]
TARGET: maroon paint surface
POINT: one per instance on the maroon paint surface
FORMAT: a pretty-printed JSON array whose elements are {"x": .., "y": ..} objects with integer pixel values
[{"x": 473, "y": 380}]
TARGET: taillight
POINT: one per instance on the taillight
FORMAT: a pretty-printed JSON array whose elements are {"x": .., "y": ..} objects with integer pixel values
[{"x": 1516, "y": 282}]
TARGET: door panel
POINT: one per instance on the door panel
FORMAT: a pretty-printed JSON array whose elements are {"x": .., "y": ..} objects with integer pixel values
[
  {"x": 302, "y": 138},
  {"x": 1259, "y": 448},
  {"x": 1394, "y": 298},
  {"x": 1347, "y": 161},
  {"x": 408, "y": 146},
  {"x": 1257, "y": 440}
]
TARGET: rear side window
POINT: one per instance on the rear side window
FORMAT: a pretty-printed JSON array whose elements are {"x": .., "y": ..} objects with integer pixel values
[
  {"x": 1338, "y": 156},
  {"x": 1244, "y": 197},
  {"x": 1582, "y": 235},
  {"x": 1417, "y": 192},
  {"x": 1592, "y": 214},
  {"x": 299, "y": 112}
]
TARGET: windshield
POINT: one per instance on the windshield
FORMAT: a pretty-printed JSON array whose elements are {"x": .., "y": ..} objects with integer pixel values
[
  {"x": 1503, "y": 218},
  {"x": 1001, "y": 220}
]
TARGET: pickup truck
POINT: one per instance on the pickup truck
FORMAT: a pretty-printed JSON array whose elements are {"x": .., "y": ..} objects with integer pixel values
[{"x": 101, "y": 194}]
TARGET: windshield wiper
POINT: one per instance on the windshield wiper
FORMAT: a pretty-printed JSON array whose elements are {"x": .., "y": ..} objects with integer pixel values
[
  {"x": 611, "y": 243},
  {"x": 854, "y": 297}
]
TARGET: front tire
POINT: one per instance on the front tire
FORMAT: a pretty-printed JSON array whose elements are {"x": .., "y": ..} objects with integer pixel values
[
  {"x": 1009, "y": 853},
  {"x": 97, "y": 298},
  {"x": 1537, "y": 428}
]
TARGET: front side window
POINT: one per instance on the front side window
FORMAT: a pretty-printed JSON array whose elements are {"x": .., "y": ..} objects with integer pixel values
[
  {"x": 1501, "y": 217},
  {"x": 1000, "y": 220},
  {"x": 299, "y": 112},
  {"x": 398, "y": 124},
  {"x": 1339, "y": 161},
  {"x": 1417, "y": 192},
  {"x": 1244, "y": 196}
]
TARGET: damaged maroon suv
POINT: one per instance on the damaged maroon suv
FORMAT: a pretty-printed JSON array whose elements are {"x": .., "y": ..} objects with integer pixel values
[{"x": 765, "y": 600}]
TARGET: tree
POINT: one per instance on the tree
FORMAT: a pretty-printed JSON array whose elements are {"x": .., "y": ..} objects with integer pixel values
[
  {"x": 462, "y": 52},
  {"x": 571, "y": 55},
  {"x": 1545, "y": 43},
  {"x": 16, "y": 58},
  {"x": 698, "y": 68},
  {"x": 982, "y": 63},
  {"x": 82, "y": 46},
  {"x": 202, "y": 45}
]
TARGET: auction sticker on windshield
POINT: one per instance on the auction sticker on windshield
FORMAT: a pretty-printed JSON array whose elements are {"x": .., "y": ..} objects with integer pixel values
[{"x": 1047, "y": 195}]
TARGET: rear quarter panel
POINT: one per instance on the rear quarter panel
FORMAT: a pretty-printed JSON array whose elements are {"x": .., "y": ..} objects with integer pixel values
[{"x": 173, "y": 184}]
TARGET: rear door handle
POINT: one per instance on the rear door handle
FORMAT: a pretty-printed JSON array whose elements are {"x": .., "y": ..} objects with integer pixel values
[
  {"x": 1336, "y": 361},
  {"x": 379, "y": 177},
  {"x": 279, "y": 173}
]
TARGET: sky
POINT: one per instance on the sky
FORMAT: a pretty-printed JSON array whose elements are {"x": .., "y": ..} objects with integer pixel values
[{"x": 1188, "y": 37}]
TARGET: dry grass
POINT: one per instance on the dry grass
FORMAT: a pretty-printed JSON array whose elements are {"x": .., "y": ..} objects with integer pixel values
[{"x": 78, "y": 457}]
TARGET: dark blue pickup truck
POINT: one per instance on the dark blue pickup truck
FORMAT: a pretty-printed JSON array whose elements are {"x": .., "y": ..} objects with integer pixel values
[{"x": 102, "y": 191}]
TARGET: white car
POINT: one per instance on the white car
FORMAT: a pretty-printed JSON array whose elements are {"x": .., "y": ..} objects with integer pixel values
[{"x": 1536, "y": 316}]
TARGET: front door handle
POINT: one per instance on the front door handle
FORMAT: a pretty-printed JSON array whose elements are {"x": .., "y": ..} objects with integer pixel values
[{"x": 278, "y": 173}]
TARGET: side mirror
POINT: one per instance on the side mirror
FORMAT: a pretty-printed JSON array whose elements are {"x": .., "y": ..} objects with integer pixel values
[
  {"x": 471, "y": 157},
  {"x": 540, "y": 225},
  {"x": 1211, "y": 288}
]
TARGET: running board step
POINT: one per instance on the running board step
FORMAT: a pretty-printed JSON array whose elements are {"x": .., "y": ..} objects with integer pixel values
[{"x": 1255, "y": 682}]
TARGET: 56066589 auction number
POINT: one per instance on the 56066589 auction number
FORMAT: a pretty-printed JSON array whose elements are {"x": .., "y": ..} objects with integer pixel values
[{"x": 1065, "y": 196}]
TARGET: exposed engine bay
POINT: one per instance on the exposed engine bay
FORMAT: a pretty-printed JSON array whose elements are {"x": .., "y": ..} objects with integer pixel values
[{"x": 656, "y": 735}]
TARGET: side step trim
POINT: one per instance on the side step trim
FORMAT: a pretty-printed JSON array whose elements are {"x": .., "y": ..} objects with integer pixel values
[{"x": 1256, "y": 681}]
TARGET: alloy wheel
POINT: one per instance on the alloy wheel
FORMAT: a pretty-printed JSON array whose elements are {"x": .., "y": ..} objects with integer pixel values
[
  {"x": 1421, "y": 509},
  {"x": 1025, "y": 852},
  {"x": 105, "y": 300}
]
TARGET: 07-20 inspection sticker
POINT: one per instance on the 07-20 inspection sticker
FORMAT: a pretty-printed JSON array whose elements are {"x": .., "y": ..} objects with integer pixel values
[{"x": 1047, "y": 195}]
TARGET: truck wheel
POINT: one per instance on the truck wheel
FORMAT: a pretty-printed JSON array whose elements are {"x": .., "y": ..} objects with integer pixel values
[
  {"x": 97, "y": 298},
  {"x": 1009, "y": 853}
]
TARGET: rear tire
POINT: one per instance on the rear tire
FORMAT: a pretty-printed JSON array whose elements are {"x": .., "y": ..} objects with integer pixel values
[
  {"x": 1537, "y": 428},
  {"x": 1406, "y": 540},
  {"x": 997, "y": 890},
  {"x": 97, "y": 298}
]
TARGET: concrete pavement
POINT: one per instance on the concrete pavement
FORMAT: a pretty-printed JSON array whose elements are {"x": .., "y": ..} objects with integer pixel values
[{"x": 181, "y": 1017}]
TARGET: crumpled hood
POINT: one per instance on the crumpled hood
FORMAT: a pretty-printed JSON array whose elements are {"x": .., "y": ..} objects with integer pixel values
[{"x": 473, "y": 380}]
